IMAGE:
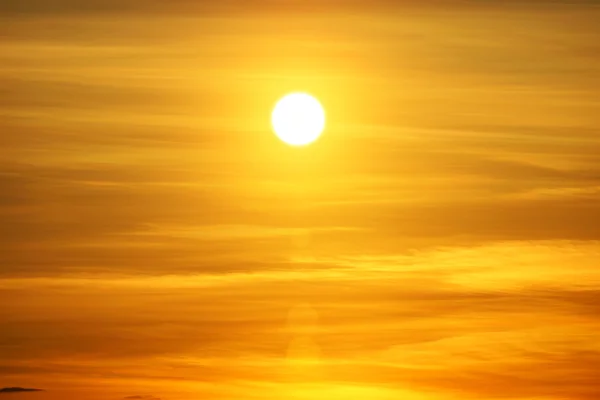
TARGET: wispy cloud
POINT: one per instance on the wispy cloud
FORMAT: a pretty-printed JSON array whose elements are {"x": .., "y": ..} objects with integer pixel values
[{"x": 19, "y": 390}]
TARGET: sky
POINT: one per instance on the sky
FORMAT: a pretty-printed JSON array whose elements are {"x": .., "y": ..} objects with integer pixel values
[{"x": 440, "y": 241}]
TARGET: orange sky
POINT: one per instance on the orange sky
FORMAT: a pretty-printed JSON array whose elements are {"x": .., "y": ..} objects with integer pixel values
[{"x": 441, "y": 241}]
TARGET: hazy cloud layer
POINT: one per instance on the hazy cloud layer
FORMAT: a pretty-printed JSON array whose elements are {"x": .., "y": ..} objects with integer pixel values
[
  {"x": 155, "y": 235},
  {"x": 487, "y": 316}
]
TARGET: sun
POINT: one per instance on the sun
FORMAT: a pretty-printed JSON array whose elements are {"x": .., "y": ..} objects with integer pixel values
[{"x": 298, "y": 119}]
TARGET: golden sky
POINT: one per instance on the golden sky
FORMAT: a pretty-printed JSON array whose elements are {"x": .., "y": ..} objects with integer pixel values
[{"x": 440, "y": 241}]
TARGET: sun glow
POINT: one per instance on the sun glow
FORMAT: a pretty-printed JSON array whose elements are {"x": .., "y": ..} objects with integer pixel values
[{"x": 298, "y": 119}]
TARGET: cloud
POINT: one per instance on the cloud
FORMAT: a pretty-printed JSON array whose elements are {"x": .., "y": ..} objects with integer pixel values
[
  {"x": 150, "y": 227},
  {"x": 19, "y": 390},
  {"x": 487, "y": 316},
  {"x": 71, "y": 7}
]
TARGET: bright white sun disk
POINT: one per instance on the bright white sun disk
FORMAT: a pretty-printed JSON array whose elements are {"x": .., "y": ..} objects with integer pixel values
[{"x": 298, "y": 119}]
